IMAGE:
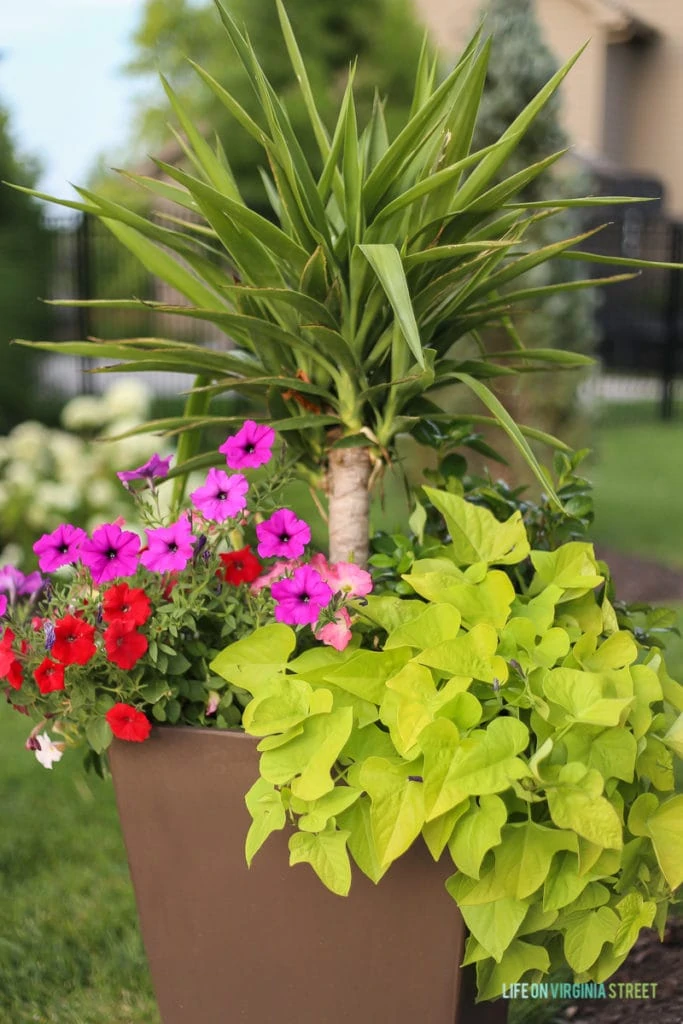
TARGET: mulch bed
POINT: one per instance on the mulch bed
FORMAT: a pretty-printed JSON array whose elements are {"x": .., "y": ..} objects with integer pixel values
[
  {"x": 640, "y": 579},
  {"x": 650, "y": 961}
]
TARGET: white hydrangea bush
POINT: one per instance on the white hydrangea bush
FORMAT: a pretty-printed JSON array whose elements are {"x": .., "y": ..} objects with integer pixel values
[{"x": 48, "y": 475}]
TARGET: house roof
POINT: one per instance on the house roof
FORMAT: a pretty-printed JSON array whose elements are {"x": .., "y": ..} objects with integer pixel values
[{"x": 621, "y": 24}]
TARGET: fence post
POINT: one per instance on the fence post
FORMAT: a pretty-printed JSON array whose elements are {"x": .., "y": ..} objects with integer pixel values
[
  {"x": 671, "y": 339},
  {"x": 84, "y": 291}
]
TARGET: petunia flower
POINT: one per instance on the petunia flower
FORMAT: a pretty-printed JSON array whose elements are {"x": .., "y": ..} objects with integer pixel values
[
  {"x": 249, "y": 447},
  {"x": 110, "y": 553},
  {"x": 221, "y": 497},
  {"x": 10, "y": 667},
  {"x": 127, "y": 723},
  {"x": 123, "y": 644},
  {"x": 301, "y": 598},
  {"x": 337, "y": 633},
  {"x": 48, "y": 753},
  {"x": 61, "y": 547},
  {"x": 73, "y": 641},
  {"x": 240, "y": 566},
  {"x": 283, "y": 535},
  {"x": 276, "y": 572},
  {"x": 349, "y": 579},
  {"x": 128, "y": 603},
  {"x": 3, "y": 605},
  {"x": 169, "y": 548},
  {"x": 49, "y": 676},
  {"x": 15, "y": 583},
  {"x": 155, "y": 468}
]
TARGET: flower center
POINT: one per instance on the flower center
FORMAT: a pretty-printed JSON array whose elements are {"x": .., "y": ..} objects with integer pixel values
[
  {"x": 173, "y": 547},
  {"x": 63, "y": 548},
  {"x": 284, "y": 538},
  {"x": 111, "y": 553},
  {"x": 250, "y": 449},
  {"x": 304, "y": 598},
  {"x": 221, "y": 495}
]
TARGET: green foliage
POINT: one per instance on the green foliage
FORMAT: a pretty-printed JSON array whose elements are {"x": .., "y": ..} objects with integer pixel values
[
  {"x": 23, "y": 275},
  {"x": 366, "y": 297},
  {"x": 516, "y": 728}
]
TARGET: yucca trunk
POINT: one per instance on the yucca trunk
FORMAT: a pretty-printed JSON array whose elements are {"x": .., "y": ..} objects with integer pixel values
[{"x": 348, "y": 475}]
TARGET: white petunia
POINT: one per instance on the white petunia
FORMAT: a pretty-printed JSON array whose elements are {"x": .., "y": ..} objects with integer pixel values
[{"x": 49, "y": 752}]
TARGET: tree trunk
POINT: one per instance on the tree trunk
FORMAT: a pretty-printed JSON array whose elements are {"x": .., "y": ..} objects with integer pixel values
[{"x": 348, "y": 474}]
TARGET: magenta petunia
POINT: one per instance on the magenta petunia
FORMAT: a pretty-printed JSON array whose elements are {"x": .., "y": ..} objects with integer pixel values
[
  {"x": 110, "y": 552},
  {"x": 155, "y": 468},
  {"x": 17, "y": 584},
  {"x": 61, "y": 547},
  {"x": 169, "y": 548},
  {"x": 251, "y": 446},
  {"x": 301, "y": 598},
  {"x": 283, "y": 535},
  {"x": 221, "y": 497},
  {"x": 3, "y": 605}
]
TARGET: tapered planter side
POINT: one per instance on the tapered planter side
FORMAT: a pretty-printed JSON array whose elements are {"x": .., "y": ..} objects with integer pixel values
[{"x": 270, "y": 945}]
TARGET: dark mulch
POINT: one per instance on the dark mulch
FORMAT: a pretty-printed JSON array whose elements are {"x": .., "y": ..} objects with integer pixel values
[
  {"x": 640, "y": 579},
  {"x": 650, "y": 961}
]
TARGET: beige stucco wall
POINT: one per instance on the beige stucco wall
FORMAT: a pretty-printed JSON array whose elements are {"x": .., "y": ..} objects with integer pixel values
[{"x": 652, "y": 107}]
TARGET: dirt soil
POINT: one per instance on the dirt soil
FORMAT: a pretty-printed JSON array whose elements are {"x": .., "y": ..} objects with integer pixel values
[
  {"x": 650, "y": 961},
  {"x": 640, "y": 579}
]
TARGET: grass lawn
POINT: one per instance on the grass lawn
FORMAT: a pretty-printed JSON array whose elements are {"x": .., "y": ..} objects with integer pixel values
[
  {"x": 70, "y": 951},
  {"x": 638, "y": 475}
]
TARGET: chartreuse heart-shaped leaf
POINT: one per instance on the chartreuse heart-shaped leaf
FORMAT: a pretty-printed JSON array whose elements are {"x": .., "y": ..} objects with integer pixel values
[
  {"x": 488, "y": 602},
  {"x": 327, "y": 854},
  {"x": 635, "y": 913},
  {"x": 476, "y": 833},
  {"x": 472, "y": 655},
  {"x": 307, "y": 760},
  {"x": 564, "y": 883},
  {"x": 572, "y": 567},
  {"x": 267, "y": 810},
  {"x": 283, "y": 702},
  {"x": 476, "y": 535},
  {"x": 361, "y": 842},
  {"x": 674, "y": 737},
  {"x": 585, "y": 937},
  {"x": 437, "y": 833},
  {"x": 576, "y": 802},
  {"x": 315, "y": 814},
  {"x": 481, "y": 763},
  {"x": 582, "y": 696},
  {"x": 519, "y": 958},
  {"x": 494, "y": 925},
  {"x": 663, "y": 825},
  {"x": 434, "y": 625},
  {"x": 366, "y": 673},
  {"x": 396, "y": 806},
  {"x": 611, "y": 752},
  {"x": 260, "y": 655}
]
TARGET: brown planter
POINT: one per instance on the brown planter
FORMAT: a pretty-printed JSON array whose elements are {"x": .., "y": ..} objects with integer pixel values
[{"x": 270, "y": 945}]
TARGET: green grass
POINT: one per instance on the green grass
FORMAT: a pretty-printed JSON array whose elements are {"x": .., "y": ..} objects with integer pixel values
[
  {"x": 638, "y": 476},
  {"x": 70, "y": 950}
]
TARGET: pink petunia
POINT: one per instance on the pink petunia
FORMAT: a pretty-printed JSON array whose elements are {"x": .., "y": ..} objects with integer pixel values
[
  {"x": 61, "y": 547},
  {"x": 276, "y": 572},
  {"x": 283, "y": 535},
  {"x": 221, "y": 497},
  {"x": 110, "y": 553},
  {"x": 338, "y": 633},
  {"x": 169, "y": 548},
  {"x": 249, "y": 447},
  {"x": 349, "y": 579},
  {"x": 301, "y": 598}
]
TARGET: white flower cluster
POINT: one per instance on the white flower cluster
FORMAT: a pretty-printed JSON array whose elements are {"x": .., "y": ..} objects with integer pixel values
[{"x": 50, "y": 476}]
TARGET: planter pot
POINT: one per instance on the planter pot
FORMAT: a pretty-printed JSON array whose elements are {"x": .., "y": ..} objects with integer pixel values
[{"x": 270, "y": 945}]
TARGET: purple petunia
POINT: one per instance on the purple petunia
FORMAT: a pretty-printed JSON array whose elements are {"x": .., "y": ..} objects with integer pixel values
[
  {"x": 3, "y": 605},
  {"x": 155, "y": 468},
  {"x": 111, "y": 552},
  {"x": 249, "y": 447},
  {"x": 221, "y": 497},
  {"x": 283, "y": 535},
  {"x": 61, "y": 547},
  {"x": 15, "y": 583},
  {"x": 169, "y": 548},
  {"x": 301, "y": 598}
]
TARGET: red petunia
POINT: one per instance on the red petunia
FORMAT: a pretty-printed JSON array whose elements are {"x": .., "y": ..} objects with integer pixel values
[
  {"x": 127, "y": 723},
  {"x": 128, "y": 603},
  {"x": 123, "y": 644},
  {"x": 10, "y": 666},
  {"x": 240, "y": 566},
  {"x": 49, "y": 676},
  {"x": 73, "y": 641}
]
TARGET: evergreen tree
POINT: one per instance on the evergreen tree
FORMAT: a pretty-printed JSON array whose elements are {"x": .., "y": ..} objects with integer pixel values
[
  {"x": 520, "y": 63},
  {"x": 23, "y": 273}
]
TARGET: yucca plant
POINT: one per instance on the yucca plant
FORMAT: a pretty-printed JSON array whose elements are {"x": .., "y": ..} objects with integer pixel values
[{"x": 365, "y": 293}]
